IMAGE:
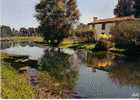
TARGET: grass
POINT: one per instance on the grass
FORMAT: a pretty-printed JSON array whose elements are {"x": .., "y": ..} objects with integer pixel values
[
  {"x": 88, "y": 46},
  {"x": 69, "y": 43},
  {"x": 22, "y": 38},
  {"x": 119, "y": 50},
  {"x": 14, "y": 85},
  {"x": 3, "y": 56},
  {"x": 66, "y": 43}
]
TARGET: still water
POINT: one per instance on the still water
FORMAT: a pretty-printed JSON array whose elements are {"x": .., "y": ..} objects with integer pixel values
[{"x": 92, "y": 75}]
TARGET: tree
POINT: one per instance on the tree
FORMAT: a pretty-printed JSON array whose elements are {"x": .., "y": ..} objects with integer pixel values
[
  {"x": 127, "y": 35},
  {"x": 137, "y": 7},
  {"x": 56, "y": 18},
  {"x": 127, "y": 8},
  {"x": 123, "y": 8},
  {"x": 31, "y": 31},
  {"x": 5, "y": 31},
  {"x": 23, "y": 31},
  {"x": 84, "y": 33}
]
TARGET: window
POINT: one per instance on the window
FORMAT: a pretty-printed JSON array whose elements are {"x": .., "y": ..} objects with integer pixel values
[
  {"x": 102, "y": 33},
  {"x": 103, "y": 26}
]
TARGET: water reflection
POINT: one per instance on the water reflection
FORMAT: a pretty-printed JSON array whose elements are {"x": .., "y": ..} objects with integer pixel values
[
  {"x": 110, "y": 75},
  {"x": 100, "y": 60},
  {"x": 122, "y": 69},
  {"x": 127, "y": 72},
  {"x": 61, "y": 66},
  {"x": 8, "y": 44}
]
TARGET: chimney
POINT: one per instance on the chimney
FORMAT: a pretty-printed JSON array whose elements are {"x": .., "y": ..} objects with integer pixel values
[{"x": 94, "y": 19}]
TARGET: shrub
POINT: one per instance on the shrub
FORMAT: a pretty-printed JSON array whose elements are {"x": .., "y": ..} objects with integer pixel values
[{"x": 102, "y": 45}]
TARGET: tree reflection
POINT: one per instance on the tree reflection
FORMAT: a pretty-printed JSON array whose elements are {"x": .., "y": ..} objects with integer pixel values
[
  {"x": 126, "y": 72},
  {"x": 58, "y": 65},
  {"x": 122, "y": 70}
]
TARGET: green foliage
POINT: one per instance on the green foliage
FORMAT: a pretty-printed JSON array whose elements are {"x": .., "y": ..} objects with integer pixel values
[
  {"x": 127, "y": 8},
  {"x": 5, "y": 31},
  {"x": 56, "y": 19},
  {"x": 14, "y": 85},
  {"x": 88, "y": 46},
  {"x": 66, "y": 43},
  {"x": 85, "y": 34},
  {"x": 137, "y": 7},
  {"x": 127, "y": 34},
  {"x": 102, "y": 45}
]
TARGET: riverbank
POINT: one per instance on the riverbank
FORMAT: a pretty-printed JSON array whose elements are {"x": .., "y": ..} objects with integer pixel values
[
  {"x": 68, "y": 43},
  {"x": 47, "y": 86},
  {"x": 15, "y": 85},
  {"x": 22, "y": 38}
]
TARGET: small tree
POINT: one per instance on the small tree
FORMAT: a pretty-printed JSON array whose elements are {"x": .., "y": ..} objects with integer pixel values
[
  {"x": 5, "y": 31},
  {"x": 23, "y": 31},
  {"x": 126, "y": 34},
  {"x": 56, "y": 18}
]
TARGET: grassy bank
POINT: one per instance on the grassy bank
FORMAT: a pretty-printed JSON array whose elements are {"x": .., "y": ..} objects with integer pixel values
[
  {"x": 22, "y": 38},
  {"x": 69, "y": 43},
  {"x": 14, "y": 85}
]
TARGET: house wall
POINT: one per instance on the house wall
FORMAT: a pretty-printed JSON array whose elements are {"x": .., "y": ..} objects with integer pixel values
[
  {"x": 99, "y": 30},
  {"x": 108, "y": 26}
]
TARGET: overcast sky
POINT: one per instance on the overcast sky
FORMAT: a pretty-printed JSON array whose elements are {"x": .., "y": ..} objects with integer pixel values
[{"x": 20, "y": 13}]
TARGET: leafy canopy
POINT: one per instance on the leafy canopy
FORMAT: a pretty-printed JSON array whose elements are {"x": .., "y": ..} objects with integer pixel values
[{"x": 56, "y": 18}]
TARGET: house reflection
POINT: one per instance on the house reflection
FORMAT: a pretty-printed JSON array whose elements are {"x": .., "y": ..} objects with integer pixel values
[
  {"x": 99, "y": 61},
  {"x": 121, "y": 69}
]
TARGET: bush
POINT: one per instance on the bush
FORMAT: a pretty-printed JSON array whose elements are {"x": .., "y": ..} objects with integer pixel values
[
  {"x": 102, "y": 45},
  {"x": 127, "y": 35}
]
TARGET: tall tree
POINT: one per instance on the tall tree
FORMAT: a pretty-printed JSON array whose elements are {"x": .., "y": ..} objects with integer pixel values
[
  {"x": 124, "y": 8},
  {"x": 127, "y": 8},
  {"x": 137, "y": 7},
  {"x": 56, "y": 17}
]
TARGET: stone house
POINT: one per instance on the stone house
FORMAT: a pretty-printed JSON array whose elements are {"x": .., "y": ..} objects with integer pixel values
[{"x": 103, "y": 26}]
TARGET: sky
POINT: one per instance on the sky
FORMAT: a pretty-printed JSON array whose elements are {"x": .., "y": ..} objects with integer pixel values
[{"x": 20, "y": 13}]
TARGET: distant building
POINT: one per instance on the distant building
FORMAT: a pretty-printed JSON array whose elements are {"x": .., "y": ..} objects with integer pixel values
[{"x": 103, "y": 26}]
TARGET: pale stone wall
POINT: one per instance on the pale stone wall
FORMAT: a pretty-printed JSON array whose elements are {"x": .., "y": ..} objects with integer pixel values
[
  {"x": 98, "y": 28},
  {"x": 108, "y": 26}
]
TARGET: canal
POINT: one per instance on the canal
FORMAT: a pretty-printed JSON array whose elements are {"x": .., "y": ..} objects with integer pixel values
[{"x": 90, "y": 74}]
